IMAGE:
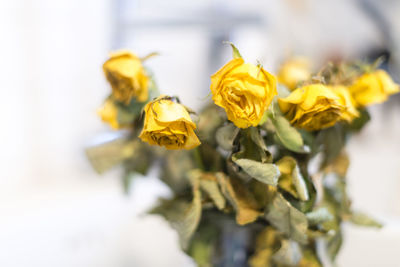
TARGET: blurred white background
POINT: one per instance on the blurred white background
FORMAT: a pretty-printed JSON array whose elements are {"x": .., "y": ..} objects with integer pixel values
[{"x": 56, "y": 211}]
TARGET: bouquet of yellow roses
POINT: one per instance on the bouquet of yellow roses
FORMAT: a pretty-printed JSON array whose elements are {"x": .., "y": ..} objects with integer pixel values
[{"x": 258, "y": 176}]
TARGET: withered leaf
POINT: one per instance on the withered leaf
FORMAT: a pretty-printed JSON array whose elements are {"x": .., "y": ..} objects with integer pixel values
[
  {"x": 183, "y": 216},
  {"x": 291, "y": 179},
  {"x": 109, "y": 154},
  {"x": 309, "y": 259},
  {"x": 239, "y": 197},
  {"x": 363, "y": 219},
  {"x": 267, "y": 173},
  {"x": 287, "y": 219},
  {"x": 318, "y": 216},
  {"x": 225, "y": 136},
  {"x": 288, "y": 135},
  {"x": 267, "y": 243},
  {"x": 289, "y": 254},
  {"x": 209, "y": 184}
]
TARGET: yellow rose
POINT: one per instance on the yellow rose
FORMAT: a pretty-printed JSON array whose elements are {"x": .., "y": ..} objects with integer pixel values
[
  {"x": 109, "y": 114},
  {"x": 346, "y": 100},
  {"x": 312, "y": 107},
  {"x": 244, "y": 91},
  {"x": 128, "y": 79},
  {"x": 372, "y": 88},
  {"x": 294, "y": 71},
  {"x": 168, "y": 124}
]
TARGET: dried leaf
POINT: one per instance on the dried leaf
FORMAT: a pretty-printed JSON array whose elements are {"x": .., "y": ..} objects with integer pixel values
[
  {"x": 191, "y": 218},
  {"x": 289, "y": 254},
  {"x": 239, "y": 197},
  {"x": 251, "y": 146},
  {"x": 176, "y": 164},
  {"x": 318, "y": 216},
  {"x": 288, "y": 135},
  {"x": 339, "y": 165},
  {"x": 235, "y": 51},
  {"x": 210, "y": 119},
  {"x": 291, "y": 179},
  {"x": 225, "y": 136},
  {"x": 183, "y": 216},
  {"x": 363, "y": 219},
  {"x": 209, "y": 184},
  {"x": 107, "y": 155},
  {"x": 309, "y": 259},
  {"x": 257, "y": 138},
  {"x": 334, "y": 244},
  {"x": 267, "y": 173},
  {"x": 332, "y": 141},
  {"x": 266, "y": 243},
  {"x": 358, "y": 123},
  {"x": 287, "y": 219}
]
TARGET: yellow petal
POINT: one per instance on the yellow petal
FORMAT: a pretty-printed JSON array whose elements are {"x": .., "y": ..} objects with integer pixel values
[
  {"x": 313, "y": 107},
  {"x": 219, "y": 75},
  {"x": 168, "y": 111},
  {"x": 192, "y": 140},
  {"x": 168, "y": 124},
  {"x": 127, "y": 77},
  {"x": 388, "y": 85},
  {"x": 108, "y": 113},
  {"x": 244, "y": 90},
  {"x": 294, "y": 71},
  {"x": 372, "y": 88}
]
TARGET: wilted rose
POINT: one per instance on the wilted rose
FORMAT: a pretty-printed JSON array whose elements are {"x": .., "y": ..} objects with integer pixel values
[
  {"x": 244, "y": 90},
  {"x": 294, "y": 71},
  {"x": 168, "y": 124},
  {"x": 108, "y": 113},
  {"x": 372, "y": 88},
  {"x": 313, "y": 107},
  {"x": 128, "y": 79}
]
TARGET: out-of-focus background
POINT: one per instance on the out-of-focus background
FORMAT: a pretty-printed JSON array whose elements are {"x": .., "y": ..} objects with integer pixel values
[{"x": 56, "y": 211}]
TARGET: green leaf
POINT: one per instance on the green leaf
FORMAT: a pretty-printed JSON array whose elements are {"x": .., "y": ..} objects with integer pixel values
[
  {"x": 235, "y": 51},
  {"x": 363, "y": 219},
  {"x": 267, "y": 173},
  {"x": 226, "y": 135},
  {"x": 289, "y": 254},
  {"x": 288, "y": 135},
  {"x": 318, "y": 216},
  {"x": 287, "y": 219}
]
